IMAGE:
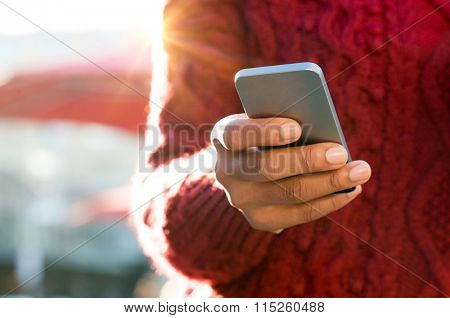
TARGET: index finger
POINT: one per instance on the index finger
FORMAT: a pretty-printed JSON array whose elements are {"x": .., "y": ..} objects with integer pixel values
[{"x": 238, "y": 132}]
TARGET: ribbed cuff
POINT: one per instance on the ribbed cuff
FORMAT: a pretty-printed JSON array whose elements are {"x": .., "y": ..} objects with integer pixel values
[{"x": 207, "y": 238}]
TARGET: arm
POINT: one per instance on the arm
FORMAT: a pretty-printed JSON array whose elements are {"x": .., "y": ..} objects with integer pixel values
[
  {"x": 188, "y": 226},
  {"x": 203, "y": 236}
]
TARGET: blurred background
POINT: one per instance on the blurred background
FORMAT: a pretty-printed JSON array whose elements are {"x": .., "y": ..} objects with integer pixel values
[{"x": 74, "y": 76}]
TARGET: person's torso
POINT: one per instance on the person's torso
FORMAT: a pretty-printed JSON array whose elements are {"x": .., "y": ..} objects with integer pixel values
[{"x": 387, "y": 65}]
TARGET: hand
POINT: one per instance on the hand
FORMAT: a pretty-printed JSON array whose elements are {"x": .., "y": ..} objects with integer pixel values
[{"x": 281, "y": 187}]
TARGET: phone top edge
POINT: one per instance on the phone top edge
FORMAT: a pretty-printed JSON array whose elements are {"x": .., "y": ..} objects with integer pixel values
[
  {"x": 266, "y": 70},
  {"x": 288, "y": 68}
]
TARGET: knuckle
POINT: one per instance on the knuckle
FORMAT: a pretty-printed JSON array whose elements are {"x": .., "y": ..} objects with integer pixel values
[
  {"x": 307, "y": 215},
  {"x": 307, "y": 159},
  {"x": 259, "y": 164},
  {"x": 221, "y": 177},
  {"x": 256, "y": 222},
  {"x": 224, "y": 170},
  {"x": 334, "y": 204},
  {"x": 233, "y": 202},
  {"x": 335, "y": 181},
  {"x": 239, "y": 198},
  {"x": 294, "y": 191},
  {"x": 227, "y": 139},
  {"x": 234, "y": 199},
  {"x": 225, "y": 131}
]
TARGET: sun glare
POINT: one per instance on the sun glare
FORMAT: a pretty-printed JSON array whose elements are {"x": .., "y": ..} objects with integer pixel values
[{"x": 57, "y": 16}]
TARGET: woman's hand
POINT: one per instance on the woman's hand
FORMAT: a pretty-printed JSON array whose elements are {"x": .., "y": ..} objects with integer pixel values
[{"x": 281, "y": 187}]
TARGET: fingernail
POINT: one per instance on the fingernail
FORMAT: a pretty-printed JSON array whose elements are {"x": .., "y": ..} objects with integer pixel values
[
  {"x": 355, "y": 192},
  {"x": 289, "y": 131},
  {"x": 360, "y": 172},
  {"x": 336, "y": 155}
]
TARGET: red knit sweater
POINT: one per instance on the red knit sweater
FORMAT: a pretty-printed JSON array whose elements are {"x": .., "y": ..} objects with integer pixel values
[{"x": 393, "y": 107}]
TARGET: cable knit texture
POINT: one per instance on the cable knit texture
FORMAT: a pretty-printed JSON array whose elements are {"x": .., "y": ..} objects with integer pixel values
[{"x": 392, "y": 99}]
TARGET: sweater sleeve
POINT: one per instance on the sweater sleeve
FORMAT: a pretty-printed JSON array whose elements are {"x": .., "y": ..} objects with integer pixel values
[
  {"x": 205, "y": 45},
  {"x": 182, "y": 216},
  {"x": 189, "y": 228}
]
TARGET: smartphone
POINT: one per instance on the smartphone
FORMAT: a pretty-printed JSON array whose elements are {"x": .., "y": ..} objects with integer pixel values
[{"x": 297, "y": 91}]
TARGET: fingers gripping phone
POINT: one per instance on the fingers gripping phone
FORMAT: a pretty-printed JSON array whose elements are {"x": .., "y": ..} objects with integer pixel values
[{"x": 297, "y": 91}]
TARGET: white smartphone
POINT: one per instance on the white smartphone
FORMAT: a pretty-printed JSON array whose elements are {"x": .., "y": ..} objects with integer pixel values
[{"x": 297, "y": 91}]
